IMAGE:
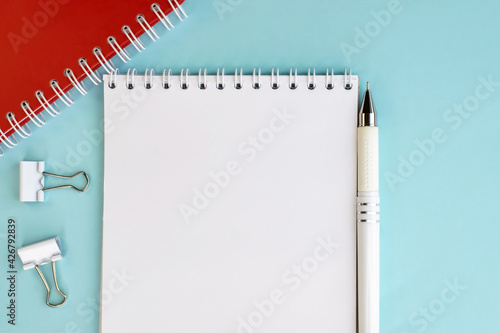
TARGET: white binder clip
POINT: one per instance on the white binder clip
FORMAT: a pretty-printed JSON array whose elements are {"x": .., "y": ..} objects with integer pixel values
[
  {"x": 41, "y": 253},
  {"x": 31, "y": 178}
]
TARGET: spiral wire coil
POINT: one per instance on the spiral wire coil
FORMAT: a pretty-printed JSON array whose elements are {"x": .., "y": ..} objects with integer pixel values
[{"x": 220, "y": 79}]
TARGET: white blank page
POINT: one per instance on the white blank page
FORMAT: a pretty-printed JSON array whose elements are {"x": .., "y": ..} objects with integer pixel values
[{"x": 229, "y": 210}]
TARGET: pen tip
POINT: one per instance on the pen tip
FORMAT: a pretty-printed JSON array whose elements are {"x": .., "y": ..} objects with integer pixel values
[{"x": 367, "y": 110}]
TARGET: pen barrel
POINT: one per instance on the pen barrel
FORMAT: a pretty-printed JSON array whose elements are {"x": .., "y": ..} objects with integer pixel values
[
  {"x": 368, "y": 277},
  {"x": 367, "y": 158},
  {"x": 368, "y": 216}
]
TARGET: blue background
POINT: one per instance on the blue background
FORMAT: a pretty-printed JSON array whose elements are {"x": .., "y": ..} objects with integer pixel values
[{"x": 439, "y": 197}]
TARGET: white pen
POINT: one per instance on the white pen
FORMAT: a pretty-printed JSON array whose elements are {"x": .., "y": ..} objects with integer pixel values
[{"x": 368, "y": 218}]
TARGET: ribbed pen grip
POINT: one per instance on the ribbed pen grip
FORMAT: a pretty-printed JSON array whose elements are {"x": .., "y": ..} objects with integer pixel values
[{"x": 367, "y": 158}]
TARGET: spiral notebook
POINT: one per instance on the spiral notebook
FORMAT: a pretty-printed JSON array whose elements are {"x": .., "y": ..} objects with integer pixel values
[
  {"x": 50, "y": 46},
  {"x": 229, "y": 203}
]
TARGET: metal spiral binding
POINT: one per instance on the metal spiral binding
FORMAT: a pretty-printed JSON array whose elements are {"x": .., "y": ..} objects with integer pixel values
[
  {"x": 112, "y": 79},
  {"x": 148, "y": 79},
  {"x": 220, "y": 84},
  {"x": 202, "y": 83},
  {"x": 23, "y": 133},
  {"x": 107, "y": 65},
  {"x": 7, "y": 140},
  {"x": 256, "y": 80},
  {"x": 275, "y": 79},
  {"x": 46, "y": 105},
  {"x": 94, "y": 76},
  {"x": 177, "y": 8},
  {"x": 161, "y": 15},
  {"x": 32, "y": 115},
  {"x": 150, "y": 31},
  {"x": 238, "y": 79},
  {"x": 167, "y": 79},
  {"x": 80, "y": 86},
  {"x": 347, "y": 79},
  {"x": 130, "y": 82},
  {"x": 311, "y": 80},
  {"x": 329, "y": 79},
  {"x": 185, "y": 79},
  {"x": 220, "y": 80},
  {"x": 123, "y": 54},
  {"x": 293, "y": 80},
  {"x": 65, "y": 97},
  {"x": 139, "y": 46}
]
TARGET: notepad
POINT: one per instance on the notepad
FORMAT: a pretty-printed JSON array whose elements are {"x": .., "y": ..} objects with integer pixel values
[{"x": 229, "y": 203}]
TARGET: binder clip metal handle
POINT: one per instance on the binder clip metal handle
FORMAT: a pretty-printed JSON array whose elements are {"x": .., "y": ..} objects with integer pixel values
[
  {"x": 68, "y": 177},
  {"x": 41, "y": 253},
  {"x": 32, "y": 178},
  {"x": 47, "y": 301}
]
